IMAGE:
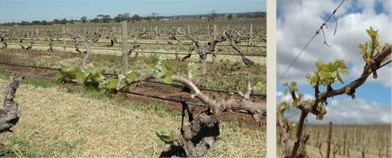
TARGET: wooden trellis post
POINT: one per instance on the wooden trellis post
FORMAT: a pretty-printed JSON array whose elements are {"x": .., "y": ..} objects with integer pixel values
[
  {"x": 317, "y": 138},
  {"x": 156, "y": 34},
  {"x": 250, "y": 37},
  {"x": 64, "y": 39},
  {"x": 44, "y": 31},
  {"x": 124, "y": 46},
  {"x": 329, "y": 139},
  {"x": 213, "y": 54},
  {"x": 208, "y": 29},
  {"x": 344, "y": 142}
]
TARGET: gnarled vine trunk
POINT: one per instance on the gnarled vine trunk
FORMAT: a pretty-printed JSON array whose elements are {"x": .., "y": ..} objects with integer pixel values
[
  {"x": 10, "y": 114},
  {"x": 200, "y": 135}
]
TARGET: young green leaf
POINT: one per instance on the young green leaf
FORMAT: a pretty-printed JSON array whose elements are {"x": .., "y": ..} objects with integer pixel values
[
  {"x": 59, "y": 78},
  {"x": 111, "y": 84},
  {"x": 164, "y": 134},
  {"x": 167, "y": 79}
]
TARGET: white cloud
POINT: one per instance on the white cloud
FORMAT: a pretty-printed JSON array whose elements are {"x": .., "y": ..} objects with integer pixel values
[
  {"x": 345, "y": 111},
  {"x": 280, "y": 97},
  {"x": 387, "y": 5},
  {"x": 299, "y": 21}
]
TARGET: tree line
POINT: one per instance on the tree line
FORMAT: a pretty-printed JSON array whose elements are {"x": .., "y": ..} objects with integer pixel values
[{"x": 100, "y": 18}]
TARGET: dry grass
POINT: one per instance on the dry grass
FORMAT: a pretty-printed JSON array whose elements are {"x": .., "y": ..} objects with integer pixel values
[{"x": 59, "y": 124}]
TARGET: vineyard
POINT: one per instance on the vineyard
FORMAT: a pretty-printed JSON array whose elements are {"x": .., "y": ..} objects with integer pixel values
[
  {"x": 164, "y": 40},
  {"x": 212, "y": 74},
  {"x": 347, "y": 141}
]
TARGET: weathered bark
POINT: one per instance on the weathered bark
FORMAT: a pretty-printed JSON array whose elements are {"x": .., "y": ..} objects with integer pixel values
[
  {"x": 286, "y": 141},
  {"x": 298, "y": 132},
  {"x": 302, "y": 153},
  {"x": 11, "y": 112},
  {"x": 198, "y": 137}
]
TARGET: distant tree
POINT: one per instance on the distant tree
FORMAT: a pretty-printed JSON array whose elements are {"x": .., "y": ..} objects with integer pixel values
[
  {"x": 230, "y": 17},
  {"x": 36, "y": 22},
  {"x": 63, "y": 21},
  {"x": 135, "y": 18},
  {"x": 200, "y": 16},
  {"x": 100, "y": 17},
  {"x": 155, "y": 16},
  {"x": 95, "y": 20},
  {"x": 72, "y": 21},
  {"x": 23, "y": 23},
  {"x": 119, "y": 18},
  {"x": 83, "y": 19},
  {"x": 212, "y": 16},
  {"x": 127, "y": 17},
  {"x": 148, "y": 18},
  {"x": 106, "y": 18},
  {"x": 44, "y": 22},
  {"x": 258, "y": 14},
  {"x": 56, "y": 21}
]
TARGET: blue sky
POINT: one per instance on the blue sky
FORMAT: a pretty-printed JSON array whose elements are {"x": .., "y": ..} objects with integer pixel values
[
  {"x": 298, "y": 20},
  {"x": 28, "y": 10}
]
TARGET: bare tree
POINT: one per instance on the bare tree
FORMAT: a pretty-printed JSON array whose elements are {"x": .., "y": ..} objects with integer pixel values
[{"x": 212, "y": 16}]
